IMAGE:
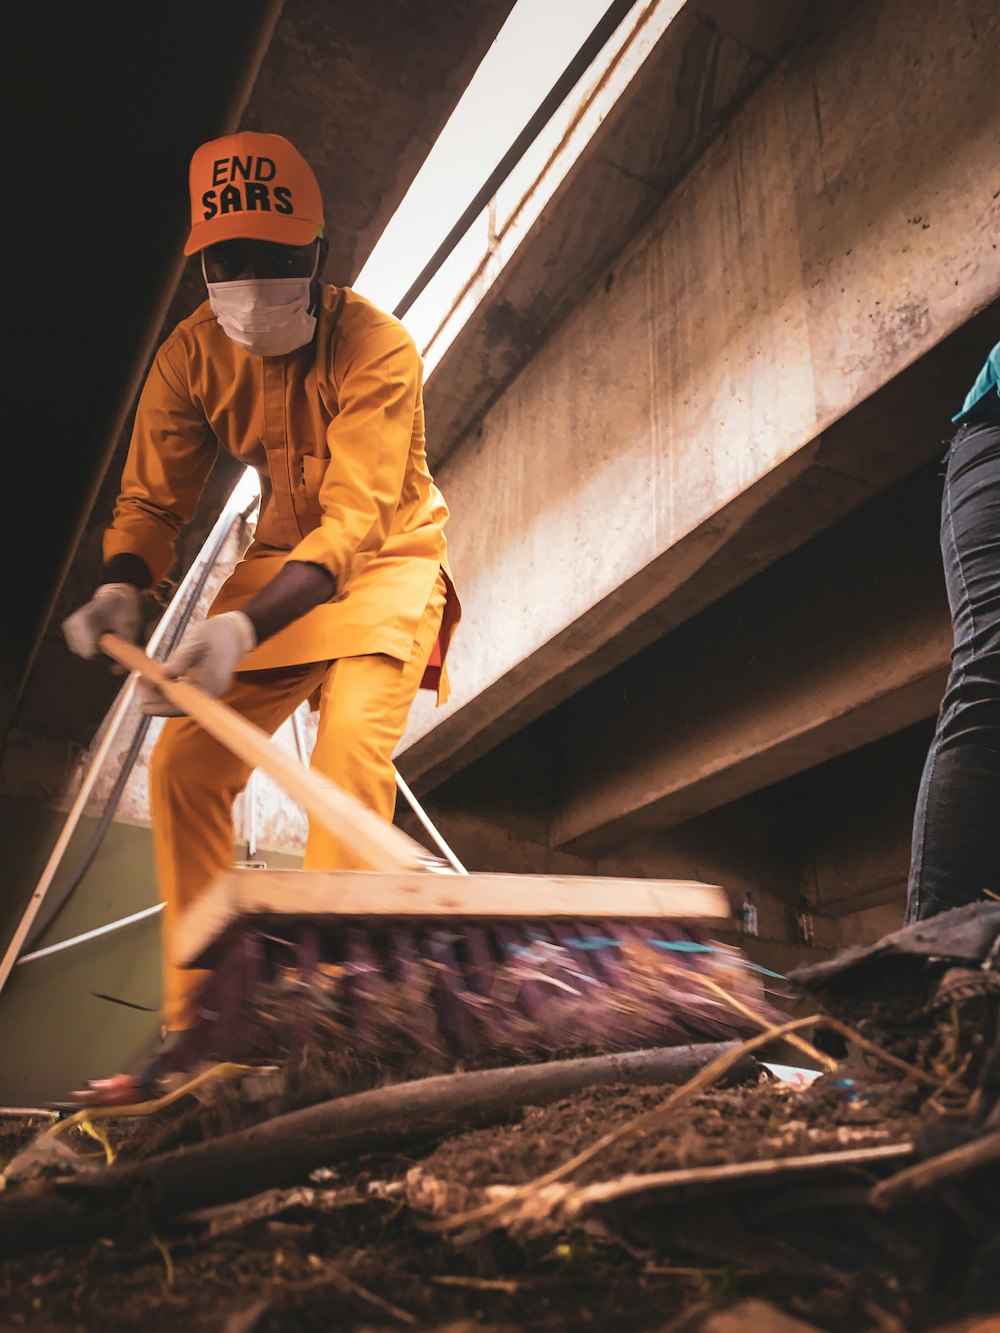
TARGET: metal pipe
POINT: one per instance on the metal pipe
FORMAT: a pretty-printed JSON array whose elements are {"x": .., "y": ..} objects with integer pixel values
[
  {"x": 300, "y": 744},
  {"x": 417, "y": 808},
  {"x": 91, "y": 934},
  {"x": 425, "y": 819}
]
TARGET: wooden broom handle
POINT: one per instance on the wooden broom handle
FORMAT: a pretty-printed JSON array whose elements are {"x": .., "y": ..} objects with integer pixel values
[{"x": 379, "y": 844}]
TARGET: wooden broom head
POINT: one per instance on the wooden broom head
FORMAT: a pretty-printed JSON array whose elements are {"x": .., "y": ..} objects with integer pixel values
[
  {"x": 460, "y": 985},
  {"x": 332, "y": 896}
]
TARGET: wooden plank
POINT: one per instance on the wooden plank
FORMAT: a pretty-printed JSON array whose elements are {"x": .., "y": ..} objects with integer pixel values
[
  {"x": 331, "y": 895},
  {"x": 374, "y": 841}
]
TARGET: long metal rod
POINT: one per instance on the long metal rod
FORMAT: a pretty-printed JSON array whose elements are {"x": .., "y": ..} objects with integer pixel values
[
  {"x": 225, "y": 520},
  {"x": 415, "y": 805},
  {"x": 425, "y": 819},
  {"x": 249, "y": 812},
  {"x": 91, "y": 934}
]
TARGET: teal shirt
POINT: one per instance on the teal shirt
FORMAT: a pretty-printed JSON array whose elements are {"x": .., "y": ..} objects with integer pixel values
[{"x": 987, "y": 382}]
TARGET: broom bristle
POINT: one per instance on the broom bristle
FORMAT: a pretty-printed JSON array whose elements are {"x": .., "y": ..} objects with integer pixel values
[{"x": 472, "y": 992}]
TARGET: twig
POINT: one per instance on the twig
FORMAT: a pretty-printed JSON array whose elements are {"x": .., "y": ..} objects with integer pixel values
[
  {"x": 100, "y": 1135},
  {"x": 800, "y": 1043},
  {"x": 886, "y": 1321},
  {"x": 87, "y": 1114},
  {"x": 279, "y": 1152},
  {"x": 913, "y": 1179},
  {"x": 478, "y": 1283},
  {"x": 700, "y": 1272},
  {"x": 606, "y": 1191},
  {"x": 491, "y": 1213},
  {"x": 703, "y": 1078},
  {"x": 705, "y": 1270},
  {"x": 823, "y": 1020},
  {"x": 269, "y": 1203},
  {"x": 560, "y": 1206},
  {"x": 348, "y": 1286},
  {"x": 168, "y": 1263},
  {"x": 902, "y": 1065},
  {"x": 938, "y": 1100}
]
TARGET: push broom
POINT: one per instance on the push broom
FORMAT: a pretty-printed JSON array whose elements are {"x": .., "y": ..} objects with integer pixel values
[{"x": 409, "y": 956}]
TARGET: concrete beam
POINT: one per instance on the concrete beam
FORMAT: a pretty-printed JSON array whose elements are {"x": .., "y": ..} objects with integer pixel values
[
  {"x": 839, "y": 834},
  {"x": 755, "y": 370},
  {"x": 710, "y": 54},
  {"x": 844, "y": 642}
]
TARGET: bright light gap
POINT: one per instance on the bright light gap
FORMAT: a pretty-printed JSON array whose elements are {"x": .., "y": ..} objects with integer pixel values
[{"x": 535, "y": 44}]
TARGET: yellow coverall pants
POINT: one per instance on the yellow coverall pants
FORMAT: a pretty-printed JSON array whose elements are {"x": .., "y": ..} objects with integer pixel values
[{"x": 194, "y": 780}]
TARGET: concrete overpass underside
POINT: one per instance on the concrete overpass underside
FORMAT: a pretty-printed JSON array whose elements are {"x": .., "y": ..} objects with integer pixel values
[{"x": 695, "y": 510}]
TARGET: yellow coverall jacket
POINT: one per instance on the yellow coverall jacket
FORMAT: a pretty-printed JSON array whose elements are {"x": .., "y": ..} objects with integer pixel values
[{"x": 335, "y": 432}]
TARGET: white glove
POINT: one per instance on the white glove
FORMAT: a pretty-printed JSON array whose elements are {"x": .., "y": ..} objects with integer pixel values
[
  {"x": 114, "y": 608},
  {"x": 206, "y": 656}
]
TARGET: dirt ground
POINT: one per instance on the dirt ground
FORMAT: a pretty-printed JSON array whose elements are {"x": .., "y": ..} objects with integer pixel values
[
  {"x": 323, "y": 1264},
  {"x": 354, "y": 1255},
  {"x": 391, "y": 1240}
]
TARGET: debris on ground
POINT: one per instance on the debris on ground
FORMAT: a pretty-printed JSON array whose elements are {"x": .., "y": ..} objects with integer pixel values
[{"x": 862, "y": 1194}]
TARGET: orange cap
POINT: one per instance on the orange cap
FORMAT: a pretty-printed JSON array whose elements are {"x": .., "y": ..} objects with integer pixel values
[{"x": 255, "y": 186}]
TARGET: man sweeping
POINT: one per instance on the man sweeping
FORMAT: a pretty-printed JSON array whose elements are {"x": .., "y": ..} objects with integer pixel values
[{"x": 345, "y": 596}]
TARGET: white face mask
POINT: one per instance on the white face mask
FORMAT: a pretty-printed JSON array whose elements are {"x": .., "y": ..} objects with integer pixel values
[{"x": 265, "y": 316}]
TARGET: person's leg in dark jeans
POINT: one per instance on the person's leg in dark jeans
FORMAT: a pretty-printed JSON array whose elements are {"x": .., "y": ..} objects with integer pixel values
[{"x": 956, "y": 829}]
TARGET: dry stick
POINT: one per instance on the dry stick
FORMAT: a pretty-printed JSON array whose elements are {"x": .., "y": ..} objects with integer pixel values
[
  {"x": 824, "y": 1020},
  {"x": 953, "y": 1081},
  {"x": 704, "y": 1078},
  {"x": 348, "y": 1287},
  {"x": 681, "y": 1270},
  {"x": 913, "y": 1179},
  {"x": 279, "y": 1151},
  {"x": 849, "y": 1034},
  {"x": 168, "y": 1262},
  {"x": 269, "y": 1203},
  {"x": 477, "y": 1283},
  {"x": 606, "y": 1191},
  {"x": 798, "y": 1042},
  {"x": 87, "y": 1114},
  {"x": 84, "y": 1118},
  {"x": 884, "y": 1318},
  {"x": 567, "y": 1202}
]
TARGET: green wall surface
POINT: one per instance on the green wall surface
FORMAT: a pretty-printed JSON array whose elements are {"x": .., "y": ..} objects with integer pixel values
[{"x": 87, "y": 1011}]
